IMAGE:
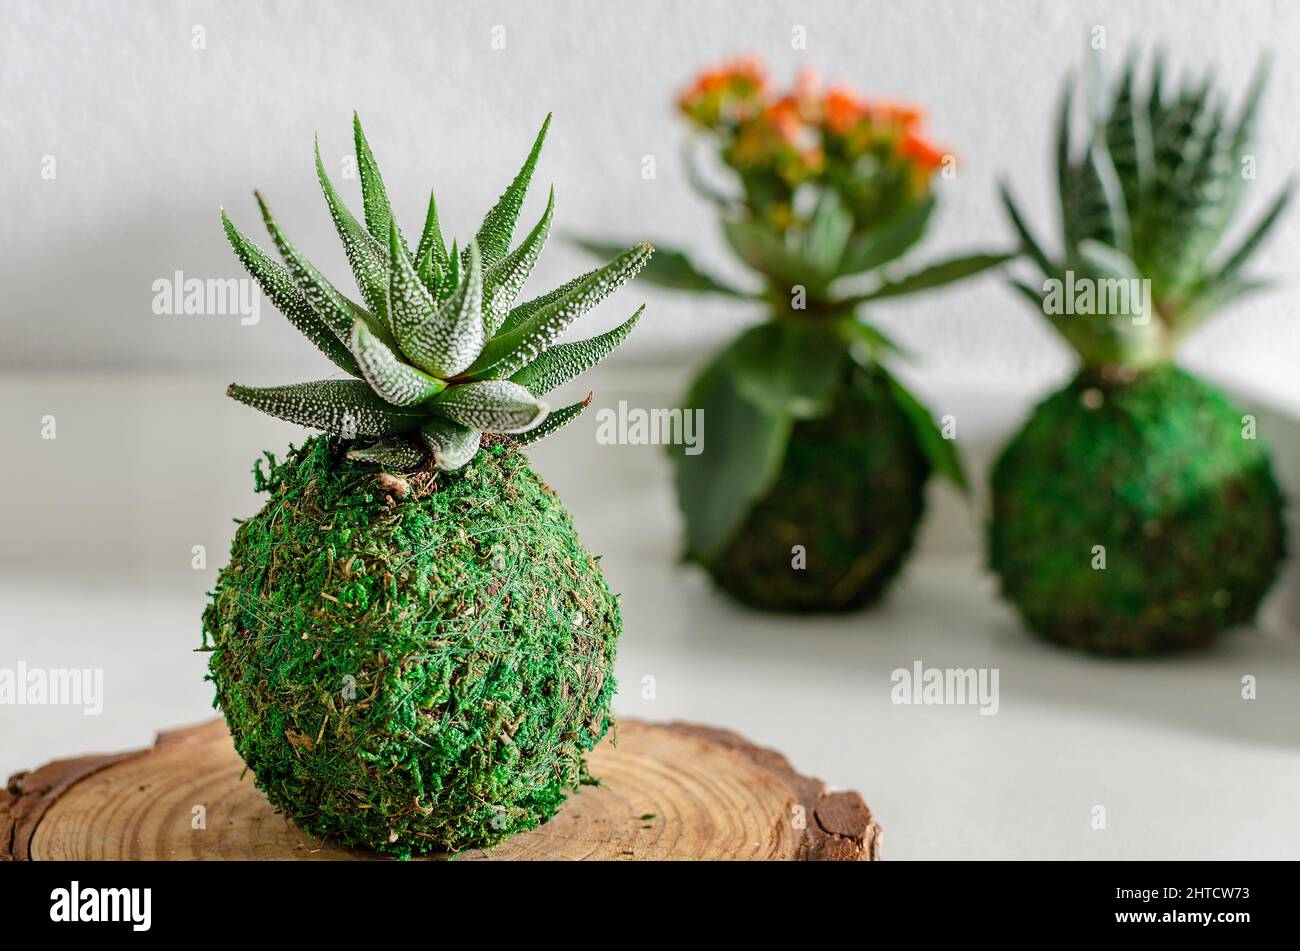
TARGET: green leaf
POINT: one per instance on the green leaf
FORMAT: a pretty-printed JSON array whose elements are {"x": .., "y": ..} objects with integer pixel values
[
  {"x": 767, "y": 253},
  {"x": 277, "y": 284},
  {"x": 410, "y": 306},
  {"x": 365, "y": 255},
  {"x": 1028, "y": 243},
  {"x": 867, "y": 343},
  {"x": 394, "y": 381},
  {"x": 448, "y": 343},
  {"x": 511, "y": 350},
  {"x": 498, "y": 227},
  {"x": 936, "y": 275},
  {"x": 502, "y": 284},
  {"x": 788, "y": 367},
  {"x": 497, "y": 406},
  {"x": 347, "y": 408},
  {"x": 941, "y": 453},
  {"x": 333, "y": 309},
  {"x": 888, "y": 242},
  {"x": 1237, "y": 259},
  {"x": 739, "y": 463},
  {"x": 431, "y": 253},
  {"x": 395, "y": 452},
  {"x": 374, "y": 197},
  {"x": 451, "y": 444},
  {"x": 668, "y": 268},
  {"x": 556, "y": 419},
  {"x": 561, "y": 364},
  {"x": 827, "y": 235}
]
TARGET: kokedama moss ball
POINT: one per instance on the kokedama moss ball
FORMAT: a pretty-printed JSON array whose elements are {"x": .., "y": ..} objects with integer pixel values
[
  {"x": 418, "y": 673},
  {"x": 851, "y": 493},
  {"x": 1157, "y": 473}
]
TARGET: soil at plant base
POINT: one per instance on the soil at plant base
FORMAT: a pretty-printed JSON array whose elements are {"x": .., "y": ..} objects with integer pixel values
[
  {"x": 1135, "y": 517},
  {"x": 849, "y": 498},
  {"x": 412, "y": 663}
]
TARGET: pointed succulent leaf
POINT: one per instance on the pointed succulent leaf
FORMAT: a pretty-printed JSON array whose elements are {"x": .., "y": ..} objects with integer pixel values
[
  {"x": 429, "y": 274},
  {"x": 497, "y": 406},
  {"x": 556, "y": 419},
  {"x": 410, "y": 306},
  {"x": 347, "y": 408},
  {"x": 1028, "y": 243},
  {"x": 394, "y": 381},
  {"x": 431, "y": 247},
  {"x": 395, "y": 452},
  {"x": 1237, "y": 259},
  {"x": 451, "y": 444},
  {"x": 365, "y": 255},
  {"x": 448, "y": 342},
  {"x": 935, "y": 275},
  {"x": 374, "y": 197},
  {"x": 335, "y": 310},
  {"x": 1128, "y": 138},
  {"x": 668, "y": 268},
  {"x": 277, "y": 284},
  {"x": 499, "y": 226},
  {"x": 502, "y": 284},
  {"x": 508, "y": 352},
  {"x": 561, "y": 364},
  {"x": 530, "y": 308}
]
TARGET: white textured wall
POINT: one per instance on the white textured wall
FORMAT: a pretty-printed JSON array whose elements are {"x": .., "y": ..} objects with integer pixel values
[{"x": 151, "y": 136}]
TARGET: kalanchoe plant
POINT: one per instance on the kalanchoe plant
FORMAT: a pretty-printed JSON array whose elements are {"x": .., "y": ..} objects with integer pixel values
[
  {"x": 1136, "y": 511},
  {"x": 440, "y": 351},
  {"x": 813, "y": 445},
  {"x": 416, "y": 660}
]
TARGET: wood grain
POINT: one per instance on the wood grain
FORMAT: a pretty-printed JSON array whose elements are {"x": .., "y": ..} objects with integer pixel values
[{"x": 669, "y": 791}]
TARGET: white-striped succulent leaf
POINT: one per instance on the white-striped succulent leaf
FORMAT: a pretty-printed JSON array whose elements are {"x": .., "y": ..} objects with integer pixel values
[
  {"x": 431, "y": 248},
  {"x": 394, "y": 381},
  {"x": 277, "y": 284},
  {"x": 334, "y": 309},
  {"x": 511, "y": 351},
  {"x": 395, "y": 452},
  {"x": 448, "y": 342},
  {"x": 498, "y": 227},
  {"x": 554, "y": 420},
  {"x": 502, "y": 284},
  {"x": 451, "y": 444},
  {"x": 561, "y": 364},
  {"x": 498, "y": 406},
  {"x": 366, "y": 256},
  {"x": 374, "y": 197},
  {"x": 347, "y": 408},
  {"x": 410, "y": 305}
]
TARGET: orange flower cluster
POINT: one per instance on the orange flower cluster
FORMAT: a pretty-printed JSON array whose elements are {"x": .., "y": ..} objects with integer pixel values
[{"x": 809, "y": 132}]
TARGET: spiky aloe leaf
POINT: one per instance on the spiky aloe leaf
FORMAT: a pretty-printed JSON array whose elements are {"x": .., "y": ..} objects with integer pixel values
[
  {"x": 511, "y": 351},
  {"x": 396, "y": 452},
  {"x": 496, "y": 405},
  {"x": 1128, "y": 138},
  {"x": 347, "y": 408},
  {"x": 451, "y": 444},
  {"x": 394, "y": 381},
  {"x": 502, "y": 284},
  {"x": 449, "y": 341},
  {"x": 561, "y": 364},
  {"x": 556, "y": 419},
  {"x": 335, "y": 310},
  {"x": 498, "y": 227},
  {"x": 374, "y": 197},
  {"x": 410, "y": 305},
  {"x": 1237, "y": 259},
  {"x": 277, "y": 284},
  {"x": 528, "y": 309},
  {"x": 1029, "y": 244},
  {"x": 431, "y": 249},
  {"x": 365, "y": 255}
]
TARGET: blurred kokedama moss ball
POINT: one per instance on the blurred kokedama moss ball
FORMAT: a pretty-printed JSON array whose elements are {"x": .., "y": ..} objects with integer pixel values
[
  {"x": 412, "y": 674},
  {"x": 851, "y": 493},
  {"x": 1158, "y": 473}
]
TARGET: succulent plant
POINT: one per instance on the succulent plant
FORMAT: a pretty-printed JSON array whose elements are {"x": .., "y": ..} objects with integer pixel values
[
  {"x": 1136, "y": 511},
  {"x": 439, "y": 353}
]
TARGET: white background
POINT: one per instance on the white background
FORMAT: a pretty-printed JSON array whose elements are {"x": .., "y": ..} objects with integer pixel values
[{"x": 151, "y": 136}]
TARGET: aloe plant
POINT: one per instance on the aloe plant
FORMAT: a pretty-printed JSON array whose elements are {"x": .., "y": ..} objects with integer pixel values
[{"x": 440, "y": 354}]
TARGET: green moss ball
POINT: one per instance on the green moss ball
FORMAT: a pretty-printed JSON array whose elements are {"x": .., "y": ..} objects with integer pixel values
[
  {"x": 1158, "y": 473},
  {"x": 851, "y": 493},
  {"x": 412, "y": 674}
]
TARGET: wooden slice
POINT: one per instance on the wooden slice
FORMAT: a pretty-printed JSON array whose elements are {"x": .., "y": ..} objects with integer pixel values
[{"x": 669, "y": 791}]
